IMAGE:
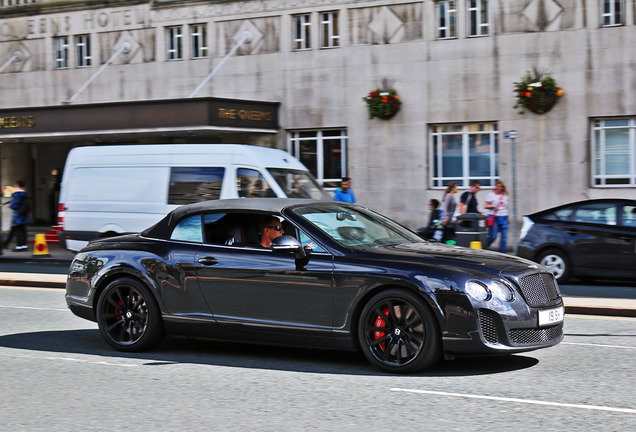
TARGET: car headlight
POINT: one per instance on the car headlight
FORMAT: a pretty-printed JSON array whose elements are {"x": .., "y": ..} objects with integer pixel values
[
  {"x": 502, "y": 290},
  {"x": 477, "y": 290}
]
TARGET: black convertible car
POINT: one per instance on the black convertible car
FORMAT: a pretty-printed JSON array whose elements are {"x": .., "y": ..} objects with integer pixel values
[{"x": 335, "y": 276}]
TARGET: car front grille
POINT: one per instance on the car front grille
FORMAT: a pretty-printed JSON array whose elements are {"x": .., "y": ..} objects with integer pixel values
[
  {"x": 532, "y": 336},
  {"x": 488, "y": 326},
  {"x": 539, "y": 289}
]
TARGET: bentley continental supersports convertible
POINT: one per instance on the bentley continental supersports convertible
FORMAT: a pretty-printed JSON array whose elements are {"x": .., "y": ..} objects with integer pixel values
[{"x": 316, "y": 274}]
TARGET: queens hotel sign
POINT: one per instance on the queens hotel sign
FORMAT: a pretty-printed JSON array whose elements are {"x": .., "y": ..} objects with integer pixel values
[
  {"x": 141, "y": 117},
  {"x": 86, "y": 21}
]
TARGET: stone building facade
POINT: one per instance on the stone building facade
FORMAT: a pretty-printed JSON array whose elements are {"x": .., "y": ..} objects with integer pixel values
[{"x": 453, "y": 64}]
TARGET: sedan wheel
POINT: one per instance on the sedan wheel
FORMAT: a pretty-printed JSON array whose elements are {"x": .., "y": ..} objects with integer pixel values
[
  {"x": 128, "y": 316},
  {"x": 556, "y": 261},
  {"x": 398, "y": 333}
]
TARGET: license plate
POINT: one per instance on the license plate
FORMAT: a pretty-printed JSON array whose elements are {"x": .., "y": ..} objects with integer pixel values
[{"x": 550, "y": 316}]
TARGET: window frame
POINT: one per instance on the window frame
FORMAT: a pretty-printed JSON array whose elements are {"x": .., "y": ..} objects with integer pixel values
[
  {"x": 83, "y": 56},
  {"x": 599, "y": 154},
  {"x": 199, "y": 41},
  {"x": 174, "y": 43},
  {"x": 301, "y": 32},
  {"x": 62, "y": 52},
  {"x": 608, "y": 13},
  {"x": 329, "y": 30},
  {"x": 294, "y": 140},
  {"x": 478, "y": 17},
  {"x": 439, "y": 179},
  {"x": 448, "y": 8}
]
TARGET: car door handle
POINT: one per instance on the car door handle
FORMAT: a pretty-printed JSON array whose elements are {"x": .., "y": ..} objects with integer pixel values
[
  {"x": 572, "y": 232},
  {"x": 208, "y": 261}
]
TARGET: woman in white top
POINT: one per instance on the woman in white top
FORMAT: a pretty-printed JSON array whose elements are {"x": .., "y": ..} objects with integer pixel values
[{"x": 497, "y": 206}]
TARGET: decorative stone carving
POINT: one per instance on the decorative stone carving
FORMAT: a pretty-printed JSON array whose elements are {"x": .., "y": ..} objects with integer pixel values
[{"x": 545, "y": 15}]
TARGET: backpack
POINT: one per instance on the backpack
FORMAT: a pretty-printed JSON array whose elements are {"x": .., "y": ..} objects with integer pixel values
[{"x": 25, "y": 206}]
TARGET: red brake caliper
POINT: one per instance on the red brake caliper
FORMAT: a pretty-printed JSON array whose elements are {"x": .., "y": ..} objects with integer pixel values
[
  {"x": 118, "y": 312},
  {"x": 380, "y": 322}
]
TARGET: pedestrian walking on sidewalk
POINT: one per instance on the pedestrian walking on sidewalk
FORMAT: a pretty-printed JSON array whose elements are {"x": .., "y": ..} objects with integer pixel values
[
  {"x": 497, "y": 205},
  {"x": 21, "y": 207}
]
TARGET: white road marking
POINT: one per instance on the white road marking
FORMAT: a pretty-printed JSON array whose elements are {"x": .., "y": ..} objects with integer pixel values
[
  {"x": 69, "y": 359},
  {"x": 515, "y": 400},
  {"x": 33, "y": 308},
  {"x": 598, "y": 345},
  {"x": 599, "y": 317}
]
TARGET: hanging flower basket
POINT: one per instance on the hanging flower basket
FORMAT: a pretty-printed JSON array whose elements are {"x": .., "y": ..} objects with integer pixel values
[
  {"x": 383, "y": 104},
  {"x": 537, "y": 92}
]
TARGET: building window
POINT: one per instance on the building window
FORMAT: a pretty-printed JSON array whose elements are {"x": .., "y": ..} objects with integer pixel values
[
  {"x": 302, "y": 32},
  {"x": 329, "y": 32},
  {"x": 199, "y": 40},
  {"x": 175, "y": 43},
  {"x": 464, "y": 152},
  {"x": 323, "y": 152},
  {"x": 61, "y": 52},
  {"x": 614, "y": 150},
  {"x": 83, "y": 50},
  {"x": 446, "y": 19},
  {"x": 478, "y": 17},
  {"x": 612, "y": 12}
]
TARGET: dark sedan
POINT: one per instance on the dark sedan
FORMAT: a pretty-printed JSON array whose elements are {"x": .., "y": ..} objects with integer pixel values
[
  {"x": 335, "y": 276},
  {"x": 586, "y": 239}
]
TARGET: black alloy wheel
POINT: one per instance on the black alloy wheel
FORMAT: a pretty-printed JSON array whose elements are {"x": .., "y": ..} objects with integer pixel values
[
  {"x": 398, "y": 332},
  {"x": 128, "y": 316}
]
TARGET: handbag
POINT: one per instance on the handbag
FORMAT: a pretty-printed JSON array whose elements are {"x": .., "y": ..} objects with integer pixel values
[{"x": 490, "y": 221}]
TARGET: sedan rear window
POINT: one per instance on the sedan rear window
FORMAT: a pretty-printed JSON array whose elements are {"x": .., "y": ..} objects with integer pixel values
[{"x": 597, "y": 213}]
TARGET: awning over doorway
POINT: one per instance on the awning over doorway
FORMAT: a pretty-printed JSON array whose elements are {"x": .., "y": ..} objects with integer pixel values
[{"x": 173, "y": 117}]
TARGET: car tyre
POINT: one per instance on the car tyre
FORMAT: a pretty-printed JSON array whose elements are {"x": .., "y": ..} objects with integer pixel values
[
  {"x": 557, "y": 262},
  {"x": 398, "y": 332},
  {"x": 128, "y": 316}
]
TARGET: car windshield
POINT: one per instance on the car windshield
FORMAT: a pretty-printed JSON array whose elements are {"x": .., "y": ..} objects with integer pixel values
[
  {"x": 356, "y": 228},
  {"x": 298, "y": 184}
]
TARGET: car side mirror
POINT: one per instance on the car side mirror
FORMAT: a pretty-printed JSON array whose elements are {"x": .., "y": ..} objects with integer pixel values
[{"x": 288, "y": 243}]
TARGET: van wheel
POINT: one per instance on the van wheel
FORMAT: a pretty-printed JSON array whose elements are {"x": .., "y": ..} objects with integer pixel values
[{"x": 108, "y": 234}]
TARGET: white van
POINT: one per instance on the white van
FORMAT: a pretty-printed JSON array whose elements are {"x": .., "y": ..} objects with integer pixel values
[{"x": 111, "y": 190}]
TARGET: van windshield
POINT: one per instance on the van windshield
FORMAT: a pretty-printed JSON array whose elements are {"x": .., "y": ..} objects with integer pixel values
[{"x": 298, "y": 184}]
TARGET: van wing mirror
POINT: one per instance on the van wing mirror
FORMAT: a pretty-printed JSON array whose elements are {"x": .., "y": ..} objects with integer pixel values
[{"x": 288, "y": 243}]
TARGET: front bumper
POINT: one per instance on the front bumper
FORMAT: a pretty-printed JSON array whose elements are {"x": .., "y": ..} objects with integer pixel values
[{"x": 489, "y": 327}]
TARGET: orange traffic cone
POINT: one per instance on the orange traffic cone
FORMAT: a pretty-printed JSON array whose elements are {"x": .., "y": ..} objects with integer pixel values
[{"x": 41, "y": 249}]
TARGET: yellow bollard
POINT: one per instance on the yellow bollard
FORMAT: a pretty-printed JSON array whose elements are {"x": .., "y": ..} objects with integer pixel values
[
  {"x": 475, "y": 245},
  {"x": 41, "y": 248}
]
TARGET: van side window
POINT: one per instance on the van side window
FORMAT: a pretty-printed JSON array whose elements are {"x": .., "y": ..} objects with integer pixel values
[
  {"x": 251, "y": 184},
  {"x": 189, "y": 229},
  {"x": 190, "y": 185}
]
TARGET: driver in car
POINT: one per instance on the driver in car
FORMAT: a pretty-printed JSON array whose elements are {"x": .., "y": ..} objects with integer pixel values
[{"x": 269, "y": 229}]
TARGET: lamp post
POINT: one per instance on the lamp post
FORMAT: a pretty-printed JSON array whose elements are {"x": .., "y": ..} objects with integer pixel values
[{"x": 512, "y": 136}]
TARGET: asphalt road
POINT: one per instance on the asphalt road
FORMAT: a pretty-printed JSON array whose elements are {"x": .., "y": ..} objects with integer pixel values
[{"x": 59, "y": 375}]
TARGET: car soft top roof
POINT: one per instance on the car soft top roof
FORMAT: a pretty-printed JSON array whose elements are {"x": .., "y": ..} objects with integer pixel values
[{"x": 164, "y": 227}]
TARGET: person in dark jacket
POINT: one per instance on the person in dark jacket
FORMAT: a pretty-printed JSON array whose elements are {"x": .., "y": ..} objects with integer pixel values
[{"x": 21, "y": 207}]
